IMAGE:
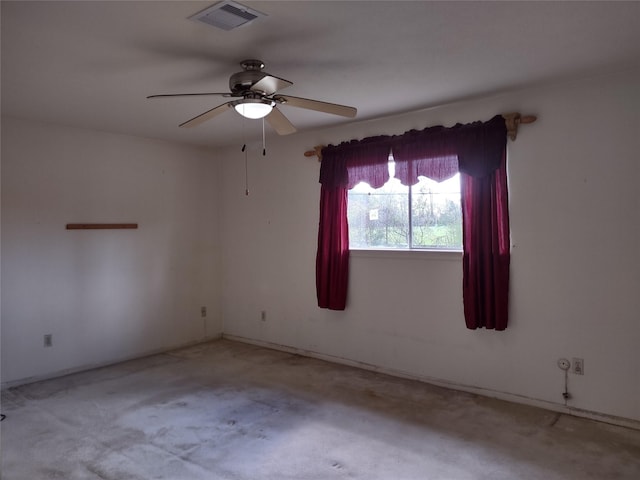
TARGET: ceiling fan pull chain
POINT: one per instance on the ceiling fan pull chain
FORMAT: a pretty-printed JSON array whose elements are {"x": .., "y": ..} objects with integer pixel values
[
  {"x": 246, "y": 174},
  {"x": 244, "y": 136},
  {"x": 264, "y": 146},
  {"x": 246, "y": 161}
]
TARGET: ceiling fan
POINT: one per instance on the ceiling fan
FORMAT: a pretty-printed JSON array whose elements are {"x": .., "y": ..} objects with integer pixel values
[{"x": 257, "y": 96}]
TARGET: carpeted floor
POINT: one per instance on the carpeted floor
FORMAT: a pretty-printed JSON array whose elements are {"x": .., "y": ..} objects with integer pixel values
[{"x": 226, "y": 410}]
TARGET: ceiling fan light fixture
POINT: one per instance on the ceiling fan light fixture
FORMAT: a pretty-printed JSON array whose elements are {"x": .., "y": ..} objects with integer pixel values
[{"x": 254, "y": 108}]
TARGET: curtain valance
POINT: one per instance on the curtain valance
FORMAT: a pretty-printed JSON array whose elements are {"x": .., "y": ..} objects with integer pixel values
[
  {"x": 356, "y": 161},
  {"x": 434, "y": 152}
]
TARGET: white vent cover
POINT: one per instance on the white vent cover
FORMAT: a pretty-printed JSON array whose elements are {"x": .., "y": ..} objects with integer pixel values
[{"x": 227, "y": 15}]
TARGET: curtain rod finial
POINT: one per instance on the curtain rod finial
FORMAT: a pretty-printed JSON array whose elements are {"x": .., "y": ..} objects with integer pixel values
[
  {"x": 316, "y": 152},
  {"x": 512, "y": 120}
]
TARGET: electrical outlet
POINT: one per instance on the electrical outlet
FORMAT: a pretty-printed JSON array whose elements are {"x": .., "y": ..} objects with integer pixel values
[
  {"x": 203, "y": 312},
  {"x": 263, "y": 315},
  {"x": 578, "y": 366},
  {"x": 563, "y": 364},
  {"x": 48, "y": 340}
]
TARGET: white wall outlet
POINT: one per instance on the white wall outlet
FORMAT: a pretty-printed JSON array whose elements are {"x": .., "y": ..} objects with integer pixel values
[
  {"x": 203, "y": 312},
  {"x": 563, "y": 364},
  {"x": 578, "y": 366},
  {"x": 48, "y": 340}
]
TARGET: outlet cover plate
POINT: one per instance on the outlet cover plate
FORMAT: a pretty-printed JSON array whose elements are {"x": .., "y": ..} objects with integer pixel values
[{"x": 578, "y": 366}]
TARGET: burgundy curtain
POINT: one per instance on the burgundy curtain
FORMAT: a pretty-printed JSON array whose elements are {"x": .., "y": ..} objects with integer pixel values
[
  {"x": 482, "y": 155},
  {"x": 478, "y": 151},
  {"x": 332, "y": 260},
  {"x": 367, "y": 162}
]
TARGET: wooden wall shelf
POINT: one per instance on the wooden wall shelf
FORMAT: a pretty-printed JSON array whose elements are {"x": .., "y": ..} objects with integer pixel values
[{"x": 100, "y": 226}]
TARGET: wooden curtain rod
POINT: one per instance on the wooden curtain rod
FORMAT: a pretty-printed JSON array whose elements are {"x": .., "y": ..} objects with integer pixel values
[
  {"x": 512, "y": 121},
  {"x": 100, "y": 226}
]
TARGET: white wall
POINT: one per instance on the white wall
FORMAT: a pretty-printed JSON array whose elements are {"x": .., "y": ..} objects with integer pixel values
[
  {"x": 575, "y": 218},
  {"x": 113, "y": 294},
  {"x": 104, "y": 295}
]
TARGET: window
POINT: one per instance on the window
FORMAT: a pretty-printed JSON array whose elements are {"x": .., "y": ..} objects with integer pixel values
[
  {"x": 424, "y": 216},
  {"x": 478, "y": 151}
]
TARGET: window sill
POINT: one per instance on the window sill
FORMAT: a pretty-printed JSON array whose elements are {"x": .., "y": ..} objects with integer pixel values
[{"x": 447, "y": 255}]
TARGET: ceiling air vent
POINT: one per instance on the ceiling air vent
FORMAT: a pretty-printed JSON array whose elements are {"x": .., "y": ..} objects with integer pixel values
[{"x": 227, "y": 15}]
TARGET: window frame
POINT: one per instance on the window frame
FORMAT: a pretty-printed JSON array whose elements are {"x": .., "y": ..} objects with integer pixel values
[{"x": 409, "y": 198}]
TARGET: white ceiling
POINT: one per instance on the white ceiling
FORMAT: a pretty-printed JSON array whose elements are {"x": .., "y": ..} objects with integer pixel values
[{"x": 91, "y": 64}]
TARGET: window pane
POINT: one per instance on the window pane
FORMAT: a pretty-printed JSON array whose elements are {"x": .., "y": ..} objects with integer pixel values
[
  {"x": 436, "y": 214},
  {"x": 379, "y": 218}
]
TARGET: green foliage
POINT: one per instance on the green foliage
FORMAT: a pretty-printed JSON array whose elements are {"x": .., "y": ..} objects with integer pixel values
[{"x": 378, "y": 220}]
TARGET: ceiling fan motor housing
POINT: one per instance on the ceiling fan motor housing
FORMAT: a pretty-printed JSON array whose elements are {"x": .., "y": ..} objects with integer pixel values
[{"x": 241, "y": 82}]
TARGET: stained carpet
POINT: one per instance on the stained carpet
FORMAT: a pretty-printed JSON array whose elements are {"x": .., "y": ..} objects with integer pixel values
[{"x": 227, "y": 410}]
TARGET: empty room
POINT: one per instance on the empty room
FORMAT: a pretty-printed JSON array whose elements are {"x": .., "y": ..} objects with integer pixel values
[{"x": 320, "y": 240}]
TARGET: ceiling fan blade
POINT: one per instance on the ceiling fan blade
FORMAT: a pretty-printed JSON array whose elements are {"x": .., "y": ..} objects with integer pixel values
[
  {"x": 209, "y": 114},
  {"x": 226, "y": 94},
  {"x": 270, "y": 84},
  {"x": 280, "y": 123},
  {"x": 317, "y": 105}
]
